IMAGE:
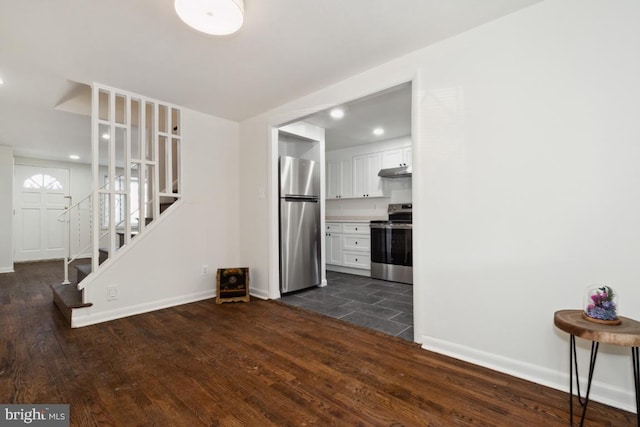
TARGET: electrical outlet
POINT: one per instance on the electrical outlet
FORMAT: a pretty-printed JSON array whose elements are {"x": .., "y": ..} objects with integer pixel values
[
  {"x": 205, "y": 270},
  {"x": 112, "y": 293}
]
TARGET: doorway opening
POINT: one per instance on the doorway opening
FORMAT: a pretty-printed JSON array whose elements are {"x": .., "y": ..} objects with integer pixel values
[{"x": 361, "y": 138}]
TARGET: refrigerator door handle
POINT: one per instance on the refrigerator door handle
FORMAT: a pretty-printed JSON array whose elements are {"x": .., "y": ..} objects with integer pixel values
[{"x": 296, "y": 198}]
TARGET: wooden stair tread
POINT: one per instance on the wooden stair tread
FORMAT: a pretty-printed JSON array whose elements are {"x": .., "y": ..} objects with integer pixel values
[
  {"x": 69, "y": 295},
  {"x": 82, "y": 271},
  {"x": 68, "y": 298},
  {"x": 84, "y": 268}
]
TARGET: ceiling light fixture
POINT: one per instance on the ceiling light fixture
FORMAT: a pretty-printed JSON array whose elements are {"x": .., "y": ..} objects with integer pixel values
[
  {"x": 378, "y": 131},
  {"x": 1, "y": 81},
  {"x": 74, "y": 157},
  {"x": 336, "y": 113},
  {"x": 216, "y": 17}
]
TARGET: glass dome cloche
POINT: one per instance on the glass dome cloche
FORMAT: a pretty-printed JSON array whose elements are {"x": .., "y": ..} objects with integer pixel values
[{"x": 601, "y": 305}]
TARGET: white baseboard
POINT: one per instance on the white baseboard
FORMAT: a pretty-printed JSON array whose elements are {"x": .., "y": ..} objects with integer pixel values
[
  {"x": 600, "y": 392},
  {"x": 7, "y": 270},
  {"x": 84, "y": 317},
  {"x": 349, "y": 270},
  {"x": 259, "y": 293}
]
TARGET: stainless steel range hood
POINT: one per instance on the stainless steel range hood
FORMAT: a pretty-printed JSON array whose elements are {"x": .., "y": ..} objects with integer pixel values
[{"x": 398, "y": 172}]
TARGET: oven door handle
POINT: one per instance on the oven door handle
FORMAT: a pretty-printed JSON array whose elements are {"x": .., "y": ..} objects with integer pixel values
[{"x": 392, "y": 226}]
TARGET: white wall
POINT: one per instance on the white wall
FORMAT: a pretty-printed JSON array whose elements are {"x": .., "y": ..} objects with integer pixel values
[
  {"x": 255, "y": 182},
  {"x": 6, "y": 209},
  {"x": 525, "y": 142},
  {"x": 290, "y": 145},
  {"x": 530, "y": 133},
  {"x": 164, "y": 267}
]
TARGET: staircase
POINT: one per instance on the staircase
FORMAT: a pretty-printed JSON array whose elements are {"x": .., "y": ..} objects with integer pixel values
[
  {"x": 136, "y": 164},
  {"x": 67, "y": 296}
]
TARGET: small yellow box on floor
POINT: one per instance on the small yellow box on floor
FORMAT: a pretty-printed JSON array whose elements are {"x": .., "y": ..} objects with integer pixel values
[{"x": 232, "y": 284}]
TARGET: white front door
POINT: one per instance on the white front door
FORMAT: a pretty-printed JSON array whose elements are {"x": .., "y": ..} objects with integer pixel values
[{"x": 39, "y": 197}]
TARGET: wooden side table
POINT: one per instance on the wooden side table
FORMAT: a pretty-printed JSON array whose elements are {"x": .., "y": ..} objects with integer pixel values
[{"x": 627, "y": 334}]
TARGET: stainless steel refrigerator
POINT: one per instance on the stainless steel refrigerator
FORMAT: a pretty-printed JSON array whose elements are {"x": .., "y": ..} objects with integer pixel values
[{"x": 300, "y": 234}]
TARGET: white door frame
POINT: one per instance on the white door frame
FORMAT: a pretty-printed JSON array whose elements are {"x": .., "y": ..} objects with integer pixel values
[{"x": 287, "y": 117}]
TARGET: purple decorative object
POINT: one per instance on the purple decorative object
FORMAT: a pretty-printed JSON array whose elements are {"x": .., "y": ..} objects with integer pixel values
[{"x": 601, "y": 303}]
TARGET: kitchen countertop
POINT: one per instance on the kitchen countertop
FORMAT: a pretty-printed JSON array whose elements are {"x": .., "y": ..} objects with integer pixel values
[{"x": 354, "y": 218}]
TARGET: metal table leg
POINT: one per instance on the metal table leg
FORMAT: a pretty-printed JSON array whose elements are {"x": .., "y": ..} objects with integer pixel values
[
  {"x": 636, "y": 379},
  {"x": 573, "y": 365}
]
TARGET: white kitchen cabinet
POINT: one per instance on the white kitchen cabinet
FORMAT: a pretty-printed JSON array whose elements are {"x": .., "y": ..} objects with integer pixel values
[
  {"x": 366, "y": 182},
  {"x": 397, "y": 157},
  {"x": 407, "y": 154},
  {"x": 348, "y": 247},
  {"x": 357, "y": 260},
  {"x": 334, "y": 176},
  {"x": 356, "y": 245},
  {"x": 338, "y": 174},
  {"x": 356, "y": 228},
  {"x": 333, "y": 227},
  {"x": 392, "y": 158},
  {"x": 334, "y": 249},
  {"x": 333, "y": 243}
]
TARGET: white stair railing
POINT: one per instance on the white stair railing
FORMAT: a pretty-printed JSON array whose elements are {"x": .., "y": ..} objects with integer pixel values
[
  {"x": 75, "y": 221},
  {"x": 78, "y": 217}
]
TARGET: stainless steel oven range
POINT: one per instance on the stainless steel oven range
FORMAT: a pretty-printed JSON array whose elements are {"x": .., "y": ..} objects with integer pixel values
[{"x": 391, "y": 245}]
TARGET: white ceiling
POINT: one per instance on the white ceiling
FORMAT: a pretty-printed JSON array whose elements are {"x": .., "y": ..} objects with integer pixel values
[
  {"x": 286, "y": 49},
  {"x": 389, "y": 110}
]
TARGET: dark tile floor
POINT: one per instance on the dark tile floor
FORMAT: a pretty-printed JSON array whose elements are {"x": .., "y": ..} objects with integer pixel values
[{"x": 384, "y": 306}]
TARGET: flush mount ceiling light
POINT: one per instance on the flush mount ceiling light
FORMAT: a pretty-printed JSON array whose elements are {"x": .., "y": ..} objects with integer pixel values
[
  {"x": 336, "y": 113},
  {"x": 216, "y": 17},
  {"x": 378, "y": 131},
  {"x": 74, "y": 157}
]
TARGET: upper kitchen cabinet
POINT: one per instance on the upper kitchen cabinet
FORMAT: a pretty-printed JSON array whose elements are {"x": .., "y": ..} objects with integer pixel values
[
  {"x": 366, "y": 182},
  {"x": 338, "y": 173},
  {"x": 397, "y": 157},
  {"x": 407, "y": 153}
]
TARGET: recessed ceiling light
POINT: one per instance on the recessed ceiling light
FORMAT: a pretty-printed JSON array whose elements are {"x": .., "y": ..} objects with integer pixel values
[
  {"x": 74, "y": 157},
  {"x": 1, "y": 81},
  {"x": 378, "y": 131},
  {"x": 337, "y": 113},
  {"x": 216, "y": 17},
  {"x": 106, "y": 136}
]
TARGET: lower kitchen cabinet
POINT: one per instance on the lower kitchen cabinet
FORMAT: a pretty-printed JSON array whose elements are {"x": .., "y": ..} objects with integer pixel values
[
  {"x": 333, "y": 243},
  {"x": 357, "y": 260},
  {"x": 348, "y": 247}
]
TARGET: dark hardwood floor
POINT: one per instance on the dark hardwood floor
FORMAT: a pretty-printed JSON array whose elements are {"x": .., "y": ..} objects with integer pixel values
[{"x": 248, "y": 364}]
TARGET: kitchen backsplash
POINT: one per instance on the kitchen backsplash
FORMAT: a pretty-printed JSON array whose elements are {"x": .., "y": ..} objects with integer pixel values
[{"x": 399, "y": 189}]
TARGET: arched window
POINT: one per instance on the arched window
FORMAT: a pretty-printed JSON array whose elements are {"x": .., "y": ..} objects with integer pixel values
[{"x": 39, "y": 181}]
